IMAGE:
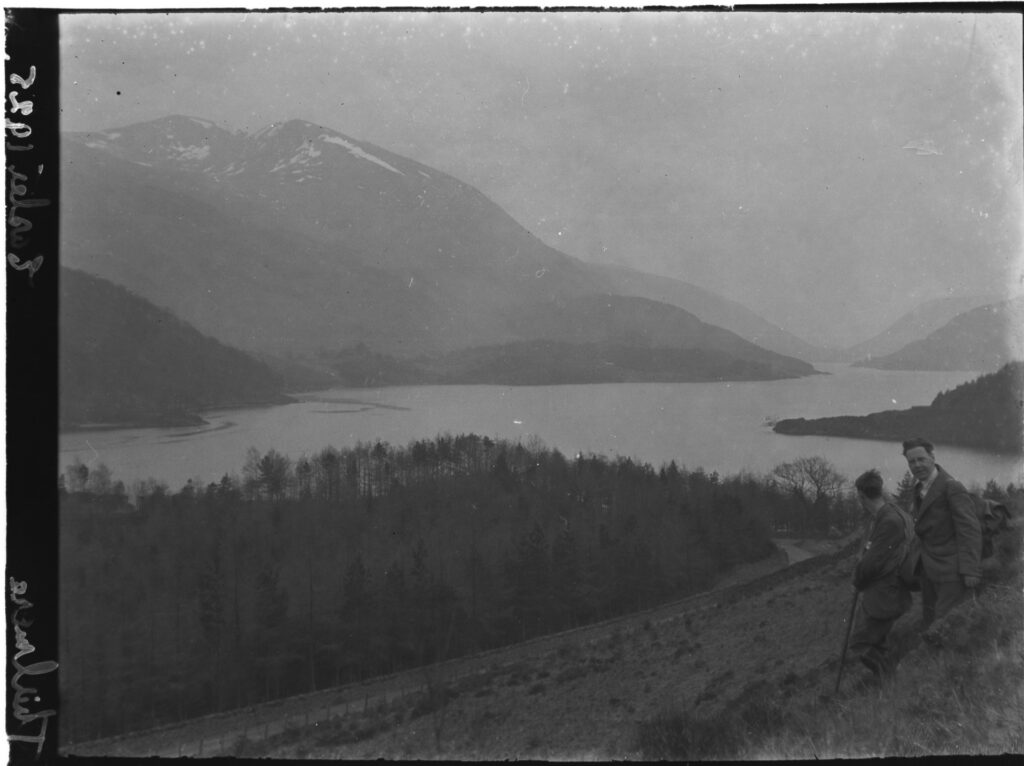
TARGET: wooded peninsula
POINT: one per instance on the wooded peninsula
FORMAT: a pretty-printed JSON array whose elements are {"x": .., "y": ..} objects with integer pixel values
[{"x": 985, "y": 413}]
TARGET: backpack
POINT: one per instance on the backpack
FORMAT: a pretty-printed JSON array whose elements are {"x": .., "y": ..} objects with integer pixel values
[
  {"x": 908, "y": 553},
  {"x": 993, "y": 517}
]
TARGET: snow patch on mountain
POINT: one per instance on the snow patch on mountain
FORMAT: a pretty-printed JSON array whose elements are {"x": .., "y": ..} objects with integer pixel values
[
  {"x": 191, "y": 152},
  {"x": 307, "y": 152},
  {"x": 268, "y": 131},
  {"x": 357, "y": 152}
]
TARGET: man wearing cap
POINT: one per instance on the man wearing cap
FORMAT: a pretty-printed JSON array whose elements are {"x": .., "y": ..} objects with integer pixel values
[
  {"x": 884, "y": 597},
  {"x": 950, "y": 535}
]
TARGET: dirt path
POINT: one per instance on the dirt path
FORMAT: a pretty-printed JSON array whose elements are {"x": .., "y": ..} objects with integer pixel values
[{"x": 794, "y": 550}]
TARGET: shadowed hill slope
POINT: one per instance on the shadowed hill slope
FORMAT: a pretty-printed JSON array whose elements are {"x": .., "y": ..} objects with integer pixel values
[{"x": 124, "y": 360}]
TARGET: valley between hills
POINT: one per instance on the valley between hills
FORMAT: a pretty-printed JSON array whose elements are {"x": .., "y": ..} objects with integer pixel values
[{"x": 296, "y": 258}]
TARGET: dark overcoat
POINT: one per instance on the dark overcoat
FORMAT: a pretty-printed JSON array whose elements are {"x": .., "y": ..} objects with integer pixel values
[
  {"x": 882, "y": 594},
  {"x": 949, "y": 531}
]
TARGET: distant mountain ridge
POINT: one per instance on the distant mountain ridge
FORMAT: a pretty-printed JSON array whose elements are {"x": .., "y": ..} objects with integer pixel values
[
  {"x": 711, "y": 308},
  {"x": 300, "y": 240},
  {"x": 590, "y": 339},
  {"x": 915, "y": 325},
  {"x": 980, "y": 340},
  {"x": 985, "y": 413}
]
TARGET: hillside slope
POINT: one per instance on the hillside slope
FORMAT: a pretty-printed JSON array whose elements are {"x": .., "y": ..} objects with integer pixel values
[
  {"x": 612, "y": 338},
  {"x": 750, "y": 675},
  {"x": 381, "y": 706},
  {"x": 747, "y": 672},
  {"x": 982, "y": 339},
  {"x": 711, "y": 308},
  {"x": 327, "y": 240},
  {"x": 915, "y": 325},
  {"x": 589, "y": 339},
  {"x": 986, "y": 413},
  {"x": 123, "y": 360}
]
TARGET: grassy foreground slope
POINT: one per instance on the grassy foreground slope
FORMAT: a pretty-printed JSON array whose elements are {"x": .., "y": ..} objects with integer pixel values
[
  {"x": 958, "y": 691},
  {"x": 748, "y": 674}
]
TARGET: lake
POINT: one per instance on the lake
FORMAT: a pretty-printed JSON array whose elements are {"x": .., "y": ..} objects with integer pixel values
[{"x": 718, "y": 426}]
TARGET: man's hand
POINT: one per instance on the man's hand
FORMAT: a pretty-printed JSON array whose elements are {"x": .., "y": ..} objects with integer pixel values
[{"x": 971, "y": 582}]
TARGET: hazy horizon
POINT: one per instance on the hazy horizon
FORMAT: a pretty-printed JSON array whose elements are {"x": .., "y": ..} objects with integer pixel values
[{"x": 829, "y": 171}]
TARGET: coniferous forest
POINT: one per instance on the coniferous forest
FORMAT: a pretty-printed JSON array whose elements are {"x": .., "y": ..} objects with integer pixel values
[{"x": 304, "y": 574}]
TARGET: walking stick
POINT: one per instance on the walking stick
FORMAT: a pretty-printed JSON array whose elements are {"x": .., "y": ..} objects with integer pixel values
[
  {"x": 846, "y": 641},
  {"x": 853, "y": 607}
]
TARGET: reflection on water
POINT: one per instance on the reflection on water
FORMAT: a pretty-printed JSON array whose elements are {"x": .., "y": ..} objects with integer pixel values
[
  {"x": 326, "y": 397},
  {"x": 205, "y": 430},
  {"x": 341, "y": 412},
  {"x": 721, "y": 427}
]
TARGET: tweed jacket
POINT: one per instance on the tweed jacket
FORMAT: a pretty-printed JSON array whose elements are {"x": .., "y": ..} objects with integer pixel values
[
  {"x": 883, "y": 595},
  {"x": 949, "y": 531}
]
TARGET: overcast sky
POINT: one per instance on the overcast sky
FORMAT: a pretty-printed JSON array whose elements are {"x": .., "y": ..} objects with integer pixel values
[{"x": 829, "y": 171}]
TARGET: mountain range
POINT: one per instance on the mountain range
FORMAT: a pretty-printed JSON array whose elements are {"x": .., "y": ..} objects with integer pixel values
[
  {"x": 363, "y": 267},
  {"x": 300, "y": 241}
]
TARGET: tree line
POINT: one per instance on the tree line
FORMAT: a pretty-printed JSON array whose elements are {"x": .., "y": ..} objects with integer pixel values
[{"x": 298, "y": 575}]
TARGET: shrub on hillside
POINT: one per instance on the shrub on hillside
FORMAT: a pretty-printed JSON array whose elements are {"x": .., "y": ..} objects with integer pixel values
[{"x": 683, "y": 736}]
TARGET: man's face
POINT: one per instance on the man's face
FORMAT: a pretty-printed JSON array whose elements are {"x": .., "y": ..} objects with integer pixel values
[{"x": 920, "y": 463}]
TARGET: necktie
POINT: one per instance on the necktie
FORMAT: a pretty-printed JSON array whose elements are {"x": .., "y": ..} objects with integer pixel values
[{"x": 918, "y": 497}]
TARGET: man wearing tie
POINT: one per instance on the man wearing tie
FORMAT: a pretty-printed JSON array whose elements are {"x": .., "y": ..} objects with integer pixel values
[{"x": 948, "y": 530}]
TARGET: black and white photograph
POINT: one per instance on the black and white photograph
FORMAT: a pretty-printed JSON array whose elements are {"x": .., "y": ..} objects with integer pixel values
[{"x": 530, "y": 384}]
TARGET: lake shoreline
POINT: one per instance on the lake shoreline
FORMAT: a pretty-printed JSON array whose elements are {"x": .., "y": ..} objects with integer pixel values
[
  {"x": 179, "y": 419},
  {"x": 722, "y": 427}
]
